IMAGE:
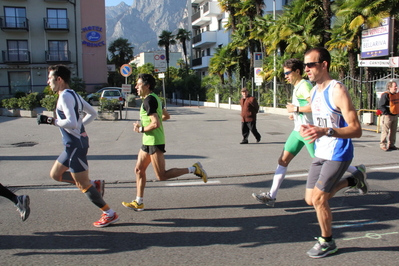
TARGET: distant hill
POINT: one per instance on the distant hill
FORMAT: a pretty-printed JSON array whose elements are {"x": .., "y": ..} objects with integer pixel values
[{"x": 144, "y": 21}]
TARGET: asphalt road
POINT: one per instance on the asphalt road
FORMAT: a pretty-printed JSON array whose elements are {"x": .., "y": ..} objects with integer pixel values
[{"x": 187, "y": 222}]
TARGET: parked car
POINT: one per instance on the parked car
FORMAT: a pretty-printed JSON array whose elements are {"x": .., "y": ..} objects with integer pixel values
[
  {"x": 113, "y": 94},
  {"x": 95, "y": 96}
]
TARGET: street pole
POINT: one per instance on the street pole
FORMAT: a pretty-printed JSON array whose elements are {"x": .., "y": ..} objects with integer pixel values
[
  {"x": 392, "y": 41},
  {"x": 164, "y": 95}
]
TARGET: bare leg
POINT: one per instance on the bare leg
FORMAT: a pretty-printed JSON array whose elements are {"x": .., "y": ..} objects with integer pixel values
[
  {"x": 158, "y": 163},
  {"x": 323, "y": 211},
  {"x": 143, "y": 160}
]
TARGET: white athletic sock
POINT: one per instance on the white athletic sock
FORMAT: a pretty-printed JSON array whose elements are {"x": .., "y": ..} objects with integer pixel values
[
  {"x": 277, "y": 180},
  {"x": 139, "y": 200},
  {"x": 191, "y": 169},
  {"x": 351, "y": 169},
  {"x": 110, "y": 212}
]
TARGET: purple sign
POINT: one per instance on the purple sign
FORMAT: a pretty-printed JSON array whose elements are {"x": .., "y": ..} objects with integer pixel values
[{"x": 375, "y": 41}]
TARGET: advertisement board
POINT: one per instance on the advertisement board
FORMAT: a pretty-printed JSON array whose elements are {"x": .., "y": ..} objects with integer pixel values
[{"x": 375, "y": 41}]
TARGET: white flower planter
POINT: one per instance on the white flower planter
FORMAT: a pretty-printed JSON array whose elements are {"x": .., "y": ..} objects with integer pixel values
[
  {"x": 107, "y": 116},
  {"x": 10, "y": 112},
  {"x": 28, "y": 113}
]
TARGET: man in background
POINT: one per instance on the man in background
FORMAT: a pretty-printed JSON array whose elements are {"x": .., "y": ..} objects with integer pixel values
[{"x": 249, "y": 109}]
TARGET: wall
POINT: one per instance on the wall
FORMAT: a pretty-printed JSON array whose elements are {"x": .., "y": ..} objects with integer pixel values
[{"x": 94, "y": 53}]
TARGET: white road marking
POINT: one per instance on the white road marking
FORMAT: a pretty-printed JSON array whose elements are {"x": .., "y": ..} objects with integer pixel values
[
  {"x": 62, "y": 189},
  {"x": 385, "y": 168},
  {"x": 297, "y": 175},
  {"x": 193, "y": 183}
]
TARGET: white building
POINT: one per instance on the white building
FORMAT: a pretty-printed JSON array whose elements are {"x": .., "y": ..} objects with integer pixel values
[
  {"x": 208, "y": 32},
  {"x": 158, "y": 59}
]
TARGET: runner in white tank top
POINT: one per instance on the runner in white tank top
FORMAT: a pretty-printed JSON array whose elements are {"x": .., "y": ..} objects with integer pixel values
[{"x": 327, "y": 115}]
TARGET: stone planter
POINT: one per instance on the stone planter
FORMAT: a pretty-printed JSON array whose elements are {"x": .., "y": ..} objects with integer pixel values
[
  {"x": 107, "y": 116},
  {"x": 28, "y": 113},
  {"x": 10, "y": 112},
  {"x": 49, "y": 113}
]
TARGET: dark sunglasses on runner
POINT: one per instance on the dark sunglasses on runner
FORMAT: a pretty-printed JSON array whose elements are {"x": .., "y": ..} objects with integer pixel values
[
  {"x": 287, "y": 73},
  {"x": 311, "y": 64}
]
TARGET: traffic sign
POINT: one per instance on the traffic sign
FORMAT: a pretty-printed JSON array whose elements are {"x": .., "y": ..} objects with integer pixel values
[
  {"x": 126, "y": 88},
  {"x": 258, "y": 77},
  {"x": 394, "y": 61},
  {"x": 126, "y": 70},
  {"x": 373, "y": 63},
  {"x": 159, "y": 61},
  {"x": 258, "y": 59}
]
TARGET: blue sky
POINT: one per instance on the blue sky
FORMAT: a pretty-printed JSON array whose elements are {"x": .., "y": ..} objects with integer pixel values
[{"x": 116, "y": 2}]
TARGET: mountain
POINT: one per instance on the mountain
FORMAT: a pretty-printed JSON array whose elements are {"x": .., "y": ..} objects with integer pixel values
[{"x": 144, "y": 21}]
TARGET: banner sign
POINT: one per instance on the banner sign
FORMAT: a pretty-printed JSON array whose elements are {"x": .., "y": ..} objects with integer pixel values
[{"x": 375, "y": 41}]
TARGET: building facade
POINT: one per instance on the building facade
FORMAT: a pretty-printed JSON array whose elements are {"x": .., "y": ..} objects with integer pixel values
[
  {"x": 209, "y": 33},
  {"x": 38, "y": 33},
  {"x": 158, "y": 59}
]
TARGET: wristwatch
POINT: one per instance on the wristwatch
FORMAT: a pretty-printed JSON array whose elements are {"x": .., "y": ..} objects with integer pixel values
[
  {"x": 141, "y": 129},
  {"x": 330, "y": 132}
]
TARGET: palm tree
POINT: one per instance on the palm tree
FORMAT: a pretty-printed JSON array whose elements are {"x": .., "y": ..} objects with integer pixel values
[
  {"x": 182, "y": 36},
  {"x": 248, "y": 12},
  {"x": 223, "y": 62},
  {"x": 297, "y": 28},
  {"x": 352, "y": 17},
  {"x": 121, "y": 52},
  {"x": 166, "y": 39},
  {"x": 230, "y": 6}
]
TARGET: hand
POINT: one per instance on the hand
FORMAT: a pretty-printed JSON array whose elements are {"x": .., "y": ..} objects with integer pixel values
[
  {"x": 44, "y": 119},
  {"x": 291, "y": 108},
  {"x": 136, "y": 126},
  {"x": 379, "y": 112},
  {"x": 311, "y": 132}
]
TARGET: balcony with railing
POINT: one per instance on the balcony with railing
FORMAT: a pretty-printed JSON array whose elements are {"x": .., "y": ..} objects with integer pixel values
[
  {"x": 201, "y": 62},
  {"x": 204, "y": 39},
  {"x": 211, "y": 9},
  {"x": 197, "y": 19},
  {"x": 16, "y": 56},
  {"x": 58, "y": 56},
  {"x": 8, "y": 23},
  {"x": 56, "y": 24}
]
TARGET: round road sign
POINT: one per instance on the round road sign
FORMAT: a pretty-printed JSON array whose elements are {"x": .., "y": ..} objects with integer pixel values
[{"x": 126, "y": 70}]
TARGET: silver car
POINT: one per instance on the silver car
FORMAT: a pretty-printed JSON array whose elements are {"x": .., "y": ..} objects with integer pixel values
[
  {"x": 113, "y": 94},
  {"x": 91, "y": 98}
]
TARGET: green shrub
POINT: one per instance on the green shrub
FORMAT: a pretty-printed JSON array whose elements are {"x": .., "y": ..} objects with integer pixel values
[
  {"x": 49, "y": 102},
  {"x": 20, "y": 94},
  {"x": 96, "y": 96},
  {"x": 77, "y": 84},
  {"x": 11, "y": 103},
  {"x": 29, "y": 102},
  {"x": 48, "y": 91},
  {"x": 108, "y": 105}
]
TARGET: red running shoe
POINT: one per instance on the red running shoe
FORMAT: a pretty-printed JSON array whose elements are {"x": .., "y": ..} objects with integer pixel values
[{"x": 106, "y": 220}]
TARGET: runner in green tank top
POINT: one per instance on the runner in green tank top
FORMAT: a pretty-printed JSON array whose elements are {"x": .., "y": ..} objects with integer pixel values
[{"x": 153, "y": 148}]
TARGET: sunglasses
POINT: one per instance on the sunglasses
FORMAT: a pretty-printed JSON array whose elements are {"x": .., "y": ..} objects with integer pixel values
[
  {"x": 311, "y": 64},
  {"x": 287, "y": 73}
]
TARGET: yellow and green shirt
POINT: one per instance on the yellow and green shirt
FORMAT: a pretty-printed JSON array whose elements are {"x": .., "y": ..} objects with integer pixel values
[{"x": 152, "y": 104}]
